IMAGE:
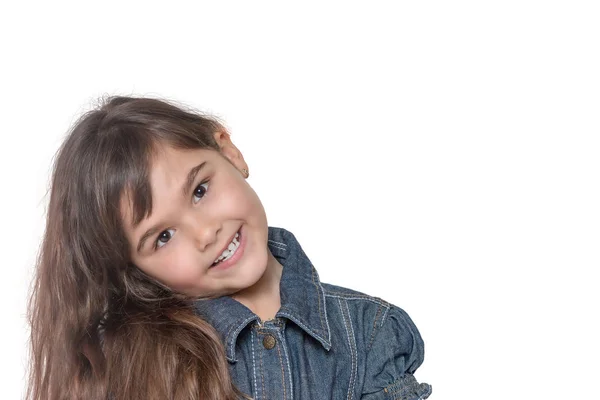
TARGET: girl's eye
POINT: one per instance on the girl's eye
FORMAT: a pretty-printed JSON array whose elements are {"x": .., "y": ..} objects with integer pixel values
[
  {"x": 164, "y": 237},
  {"x": 200, "y": 191}
]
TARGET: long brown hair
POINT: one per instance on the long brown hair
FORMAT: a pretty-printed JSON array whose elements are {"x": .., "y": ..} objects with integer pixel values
[{"x": 100, "y": 327}]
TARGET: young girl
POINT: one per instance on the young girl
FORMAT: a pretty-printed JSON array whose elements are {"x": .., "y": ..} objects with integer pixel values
[{"x": 160, "y": 279}]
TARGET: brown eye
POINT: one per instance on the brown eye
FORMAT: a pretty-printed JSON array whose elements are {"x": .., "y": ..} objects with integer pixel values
[
  {"x": 164, "y": 237},
  {"x": 200, "y": 191}
]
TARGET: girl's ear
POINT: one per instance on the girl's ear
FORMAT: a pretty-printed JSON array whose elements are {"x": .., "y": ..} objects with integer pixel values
[{"x": 232, "y": 153}]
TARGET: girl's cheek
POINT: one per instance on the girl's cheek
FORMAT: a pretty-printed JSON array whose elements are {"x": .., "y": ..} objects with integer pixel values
[
  {"x": 177, "y": 254},
  {"x": 185, "y": 256},
  {"x": 178, "y": 267}
]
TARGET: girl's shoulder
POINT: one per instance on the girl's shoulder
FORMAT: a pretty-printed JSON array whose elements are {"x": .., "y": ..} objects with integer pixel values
[
  {"x": 383, "y": 333},
  {"x": 368, "y": 316}
]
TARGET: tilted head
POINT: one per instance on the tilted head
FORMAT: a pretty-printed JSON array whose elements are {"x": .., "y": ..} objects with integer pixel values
[
  {"x": 154, "y": 191},
  {"x": 145, "y": 197}
]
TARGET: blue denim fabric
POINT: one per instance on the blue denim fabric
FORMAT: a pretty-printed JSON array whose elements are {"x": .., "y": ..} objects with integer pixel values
[{"x": 326, "y": 342}]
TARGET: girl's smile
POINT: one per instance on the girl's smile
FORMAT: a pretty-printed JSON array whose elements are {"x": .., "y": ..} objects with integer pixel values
[{"x": 226, "y": 257}]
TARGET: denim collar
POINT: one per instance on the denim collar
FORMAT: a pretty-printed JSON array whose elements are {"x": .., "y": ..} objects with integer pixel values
[{"x": 302, "y": 297}]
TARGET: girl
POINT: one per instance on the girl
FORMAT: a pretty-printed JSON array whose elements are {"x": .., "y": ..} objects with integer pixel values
[{"x": 152, "y": 234}]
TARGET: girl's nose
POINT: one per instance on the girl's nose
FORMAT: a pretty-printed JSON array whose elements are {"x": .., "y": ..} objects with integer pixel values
[{"x": 204, "y": 233}]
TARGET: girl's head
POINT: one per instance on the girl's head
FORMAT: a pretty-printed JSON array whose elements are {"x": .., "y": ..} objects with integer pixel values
[
  {"x": 149, "y": 207},
  {"x": 164, "y": 190}
]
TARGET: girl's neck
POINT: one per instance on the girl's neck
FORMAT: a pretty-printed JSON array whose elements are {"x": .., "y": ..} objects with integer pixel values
[{"x": 263, "y": 298}]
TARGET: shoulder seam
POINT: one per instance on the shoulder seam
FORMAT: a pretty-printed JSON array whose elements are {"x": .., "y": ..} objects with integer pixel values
[
  {"x": 353, "y": 296},
  {"x": 374, "y": 328}
]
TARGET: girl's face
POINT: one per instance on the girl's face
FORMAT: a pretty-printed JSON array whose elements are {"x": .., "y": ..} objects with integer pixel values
[{"x": 207, "y": 233}]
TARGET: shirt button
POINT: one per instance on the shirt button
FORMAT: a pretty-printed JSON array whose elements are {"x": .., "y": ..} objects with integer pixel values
[{"x": 269, "y": 342}]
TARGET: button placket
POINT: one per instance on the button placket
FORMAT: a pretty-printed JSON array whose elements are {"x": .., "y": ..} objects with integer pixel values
[{"x": 272, "y": 376}]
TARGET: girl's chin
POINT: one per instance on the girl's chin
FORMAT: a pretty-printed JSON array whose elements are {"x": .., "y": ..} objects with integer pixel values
[{"x": 252, "y": 278}]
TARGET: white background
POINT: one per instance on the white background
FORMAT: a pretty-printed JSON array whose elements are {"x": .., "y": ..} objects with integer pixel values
[{"x": 442, "y": 155}]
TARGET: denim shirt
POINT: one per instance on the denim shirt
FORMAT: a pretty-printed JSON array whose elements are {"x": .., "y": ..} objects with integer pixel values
[{"x": 326, "y": 342}]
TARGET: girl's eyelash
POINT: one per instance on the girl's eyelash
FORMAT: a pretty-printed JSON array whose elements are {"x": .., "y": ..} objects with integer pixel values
[
  {"x": 156, "y": 246},
  {"x": 203, "y": 185}
]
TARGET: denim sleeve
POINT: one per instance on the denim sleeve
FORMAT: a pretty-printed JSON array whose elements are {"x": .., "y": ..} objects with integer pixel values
[{"x": 396, "y": 351}]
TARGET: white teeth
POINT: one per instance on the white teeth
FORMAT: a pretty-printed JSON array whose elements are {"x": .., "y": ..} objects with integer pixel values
[{"x": 230, "y": 250}]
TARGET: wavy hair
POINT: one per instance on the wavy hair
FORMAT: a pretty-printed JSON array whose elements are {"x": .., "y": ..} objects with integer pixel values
[{"x": 100, "y": 327}]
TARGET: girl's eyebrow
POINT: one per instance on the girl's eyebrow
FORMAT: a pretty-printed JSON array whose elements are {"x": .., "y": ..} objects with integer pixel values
[
  {"x": 186, "y": 189},
  {"x": 191, "y": 177},
  {"x": 145, "y": 236}
]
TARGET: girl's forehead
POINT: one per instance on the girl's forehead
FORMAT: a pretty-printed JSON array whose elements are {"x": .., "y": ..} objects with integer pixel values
[
  {"x": 171, "y": 168},
  {"x": 165, "y": 156}
]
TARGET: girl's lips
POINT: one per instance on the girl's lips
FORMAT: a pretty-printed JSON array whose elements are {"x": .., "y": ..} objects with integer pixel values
[
  {"x": 230, "y": 241},
  {"x": 235, "y": 257}
]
